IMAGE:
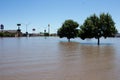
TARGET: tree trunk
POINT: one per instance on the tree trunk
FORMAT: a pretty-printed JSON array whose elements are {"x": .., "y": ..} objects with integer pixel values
[
  {"x": 98, "y": 41},
  {"x": 68, "y": 40}
]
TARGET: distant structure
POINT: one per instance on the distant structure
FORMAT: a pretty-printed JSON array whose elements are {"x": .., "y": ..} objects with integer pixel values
[
  {"x": 12, "y": 33},
  {"x": 2, "y": 27},
  {"x": 117, "y": 35},
  {"x": 48, "y": 29},
  {"x": 18, "y": 33}
]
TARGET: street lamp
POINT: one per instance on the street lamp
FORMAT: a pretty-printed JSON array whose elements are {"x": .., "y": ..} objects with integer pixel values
[
  {"x": 48, "y": 29},
  {"x": 26, "y": 29},
  {"x": 33, "y": 31},
  {"x": 45, "y": 33},
  {"x": 18, "y": 26},
  {"x": 26, "y": 25},
  {"x": 18, "y": 30}
]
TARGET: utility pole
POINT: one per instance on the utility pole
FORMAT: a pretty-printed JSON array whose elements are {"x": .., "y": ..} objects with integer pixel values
[
  {"x": 48, "y": 29},
  {"x": 27, "y": 34}
]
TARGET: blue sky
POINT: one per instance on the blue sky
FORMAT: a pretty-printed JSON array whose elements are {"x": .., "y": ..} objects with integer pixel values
[{"x": 39, "y": 13}]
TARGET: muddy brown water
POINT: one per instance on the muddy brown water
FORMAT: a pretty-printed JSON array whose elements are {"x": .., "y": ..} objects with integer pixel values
[{"x": 38, "y": 58}]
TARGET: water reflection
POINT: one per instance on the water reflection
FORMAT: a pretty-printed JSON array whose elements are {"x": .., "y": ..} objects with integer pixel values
[
  {"x": 51, "y": 59},
  {"x": 88, "y": 62}
]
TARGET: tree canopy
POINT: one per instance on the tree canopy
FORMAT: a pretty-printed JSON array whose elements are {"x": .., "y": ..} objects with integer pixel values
[
  {"x": 68, "y": 29},
  {"x": 97, "y": 27}
]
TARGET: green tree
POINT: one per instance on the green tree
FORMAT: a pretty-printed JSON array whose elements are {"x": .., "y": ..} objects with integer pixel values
[
  {"x": 97, "y": 27},
  {"x": 107, "y": 25},
  {"x": 68, "y": 29},
  {"x": 1, "y": 34}
]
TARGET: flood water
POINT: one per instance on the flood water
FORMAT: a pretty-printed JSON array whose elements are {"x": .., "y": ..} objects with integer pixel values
[{"x": 52, "y": 58}]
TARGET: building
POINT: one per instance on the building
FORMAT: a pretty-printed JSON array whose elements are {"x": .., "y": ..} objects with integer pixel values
[
  {"x": 117, "y": 35},
  {"x": 11, "y": 33}
]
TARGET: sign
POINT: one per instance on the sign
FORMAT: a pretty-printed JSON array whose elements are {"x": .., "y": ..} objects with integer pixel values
[{"x": 2, "y": 26}]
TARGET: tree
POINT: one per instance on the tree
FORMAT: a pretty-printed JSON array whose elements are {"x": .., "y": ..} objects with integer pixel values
[
  {"x": 97, "y": 27},
  {"x": 68, "y": 29},
  {"x": 107, "y": 25}
]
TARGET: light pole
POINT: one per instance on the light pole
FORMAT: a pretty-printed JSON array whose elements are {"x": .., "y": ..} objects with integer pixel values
[
  {"x": 45, "y": 33},
  {"x": 33, "y": 31},
  {"x": 26, "y": 29},
  {"x": 48, "y": 29},
  {"x": 26, "y": 25},
  {"x": 18, "y": 25},
  {"x": 18, "y": 30}
]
